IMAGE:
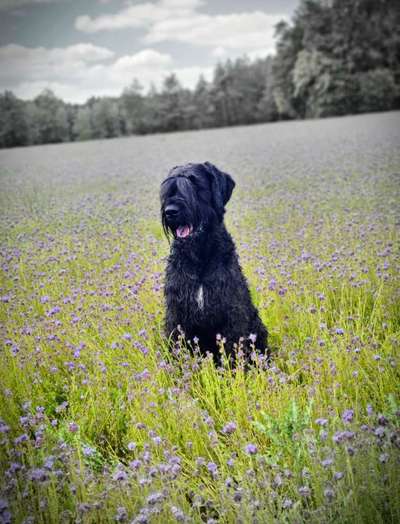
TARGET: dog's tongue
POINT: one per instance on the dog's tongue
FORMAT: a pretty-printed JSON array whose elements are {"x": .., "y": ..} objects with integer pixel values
[{"x": 183, "y": 231}]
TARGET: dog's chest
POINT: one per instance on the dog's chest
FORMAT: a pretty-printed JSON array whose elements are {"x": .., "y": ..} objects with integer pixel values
[{"x": 199, "y": 297}]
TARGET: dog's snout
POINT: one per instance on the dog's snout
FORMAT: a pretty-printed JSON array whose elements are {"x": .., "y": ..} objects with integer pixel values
[{"x": 171, "y": 210}]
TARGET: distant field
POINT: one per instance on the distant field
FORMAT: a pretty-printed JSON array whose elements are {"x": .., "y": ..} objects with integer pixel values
[{"x": 99, "y": 424}]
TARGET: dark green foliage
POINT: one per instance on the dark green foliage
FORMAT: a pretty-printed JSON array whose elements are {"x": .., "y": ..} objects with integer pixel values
[
  {"x": 105, "y": 121},
  {"x": 285, "y": 431},
  {"x": 132, "y": 104},
  {"x": 202, "y": 105},
  {"x": 378, "y": 90},
  {"x": 238, "y": 88},
  {"x": 13, "y": 122},
  {"x": 338, "y": 57}
]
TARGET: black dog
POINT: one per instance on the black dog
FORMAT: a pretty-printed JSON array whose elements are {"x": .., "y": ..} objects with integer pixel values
[{"x": 206, "y": 292}]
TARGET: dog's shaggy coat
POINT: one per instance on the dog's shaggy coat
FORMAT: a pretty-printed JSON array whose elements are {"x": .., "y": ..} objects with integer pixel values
[{"x": 206, "y": 292}]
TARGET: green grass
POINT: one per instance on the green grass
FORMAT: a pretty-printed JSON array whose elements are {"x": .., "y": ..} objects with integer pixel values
[{"x": 110, "y": 419}]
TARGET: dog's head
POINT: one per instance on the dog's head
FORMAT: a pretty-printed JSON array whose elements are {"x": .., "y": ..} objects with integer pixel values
[{"x": 193, "y": 198}]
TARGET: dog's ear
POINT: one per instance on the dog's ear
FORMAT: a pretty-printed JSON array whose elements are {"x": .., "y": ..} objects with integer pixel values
[{"x": 222, "y": 186}]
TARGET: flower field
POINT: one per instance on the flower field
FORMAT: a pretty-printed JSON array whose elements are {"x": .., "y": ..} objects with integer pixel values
[{"x": 100, "y": 423}]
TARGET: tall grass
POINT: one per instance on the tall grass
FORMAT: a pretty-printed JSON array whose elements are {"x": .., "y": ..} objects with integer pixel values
[{"x": 100, "y": 422}]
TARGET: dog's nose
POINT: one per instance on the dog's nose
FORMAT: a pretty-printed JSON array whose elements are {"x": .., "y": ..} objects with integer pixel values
[{"x": 171, "y": 210}]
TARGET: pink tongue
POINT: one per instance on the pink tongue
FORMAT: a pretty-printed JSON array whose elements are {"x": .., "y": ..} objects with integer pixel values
[{"x": 183, "y": 231}]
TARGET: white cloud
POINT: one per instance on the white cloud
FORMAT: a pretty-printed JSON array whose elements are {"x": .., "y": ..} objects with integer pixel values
[
  {"x": 219, "y": 52},
  {"x": 135, "y": 16},
  {"x": 233, "y": 31},
  {"x": 66, "y": 91},
  {"x": 146, "y": 57},
  {"x": 180, "y": 21},
  {"x": 19, "y": 62},
  {"x": 188, "y": 5},
  {"x": 77, "y": 72},
  {"x": 139, "y": 15}
]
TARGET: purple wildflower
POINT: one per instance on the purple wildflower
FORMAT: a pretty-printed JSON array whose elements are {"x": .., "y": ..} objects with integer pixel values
[
  {"x": 22, "y": 438},
  {"x": 304, "y": 491},
  {"x": 329, "y": 494},
  {"x": 327, "y": 462},
  {"x": 229, "y": 428},
  {"x": 379, "y": 432},
  {"x": 88, "y": 451},
  {"x": 53, "y": 311},
  {"x": 382, "y": 420},
  {"x": 120, "y": 475},
  {"x": 3, "y": 427},
  {"x": 323, "y": 435},
  {"x": 251, "y": 449},
  {"x": 200, "y": 461},
  {"x": 272, "y": 284},
  {"x": 237, "y": 496},
  {"x": 135, "y": 464},
  {"x": 178, "y": 514},
  {"x": 49, "y": 462},
  {"x": 209, "y": 421},
  {"x": 348, "y": 416},
  {"x": 287, "y": 503},
  {"x": 142, "y": 518},
  {"x": 155, "y": 498},
  {"x": 121, "y": 515},
  {"x": 73, "y": 427},
  {"x": 14, "y": 467},
  {"x": 38, "y": 475},
  {"x": 212, "y": 468}
]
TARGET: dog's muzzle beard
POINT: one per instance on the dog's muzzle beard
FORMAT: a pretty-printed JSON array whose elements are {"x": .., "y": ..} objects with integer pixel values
[{"x": 177, "y": 221}]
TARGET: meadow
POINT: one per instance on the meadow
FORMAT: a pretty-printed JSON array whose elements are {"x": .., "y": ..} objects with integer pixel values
[{"x": 100, "y": 423}]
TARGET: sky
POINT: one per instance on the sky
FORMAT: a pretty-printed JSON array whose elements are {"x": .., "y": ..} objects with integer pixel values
[{"x": 85, "y": 48}]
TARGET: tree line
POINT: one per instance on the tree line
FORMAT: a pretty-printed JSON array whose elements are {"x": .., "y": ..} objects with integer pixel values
[{"x": 336, "y": 57}]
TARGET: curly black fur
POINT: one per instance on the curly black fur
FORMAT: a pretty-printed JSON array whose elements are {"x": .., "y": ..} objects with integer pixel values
[{"x": 206, "y": 292}]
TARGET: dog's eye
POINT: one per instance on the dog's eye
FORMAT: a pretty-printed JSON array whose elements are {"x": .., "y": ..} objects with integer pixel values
[{"x": 192, "y": 178}]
